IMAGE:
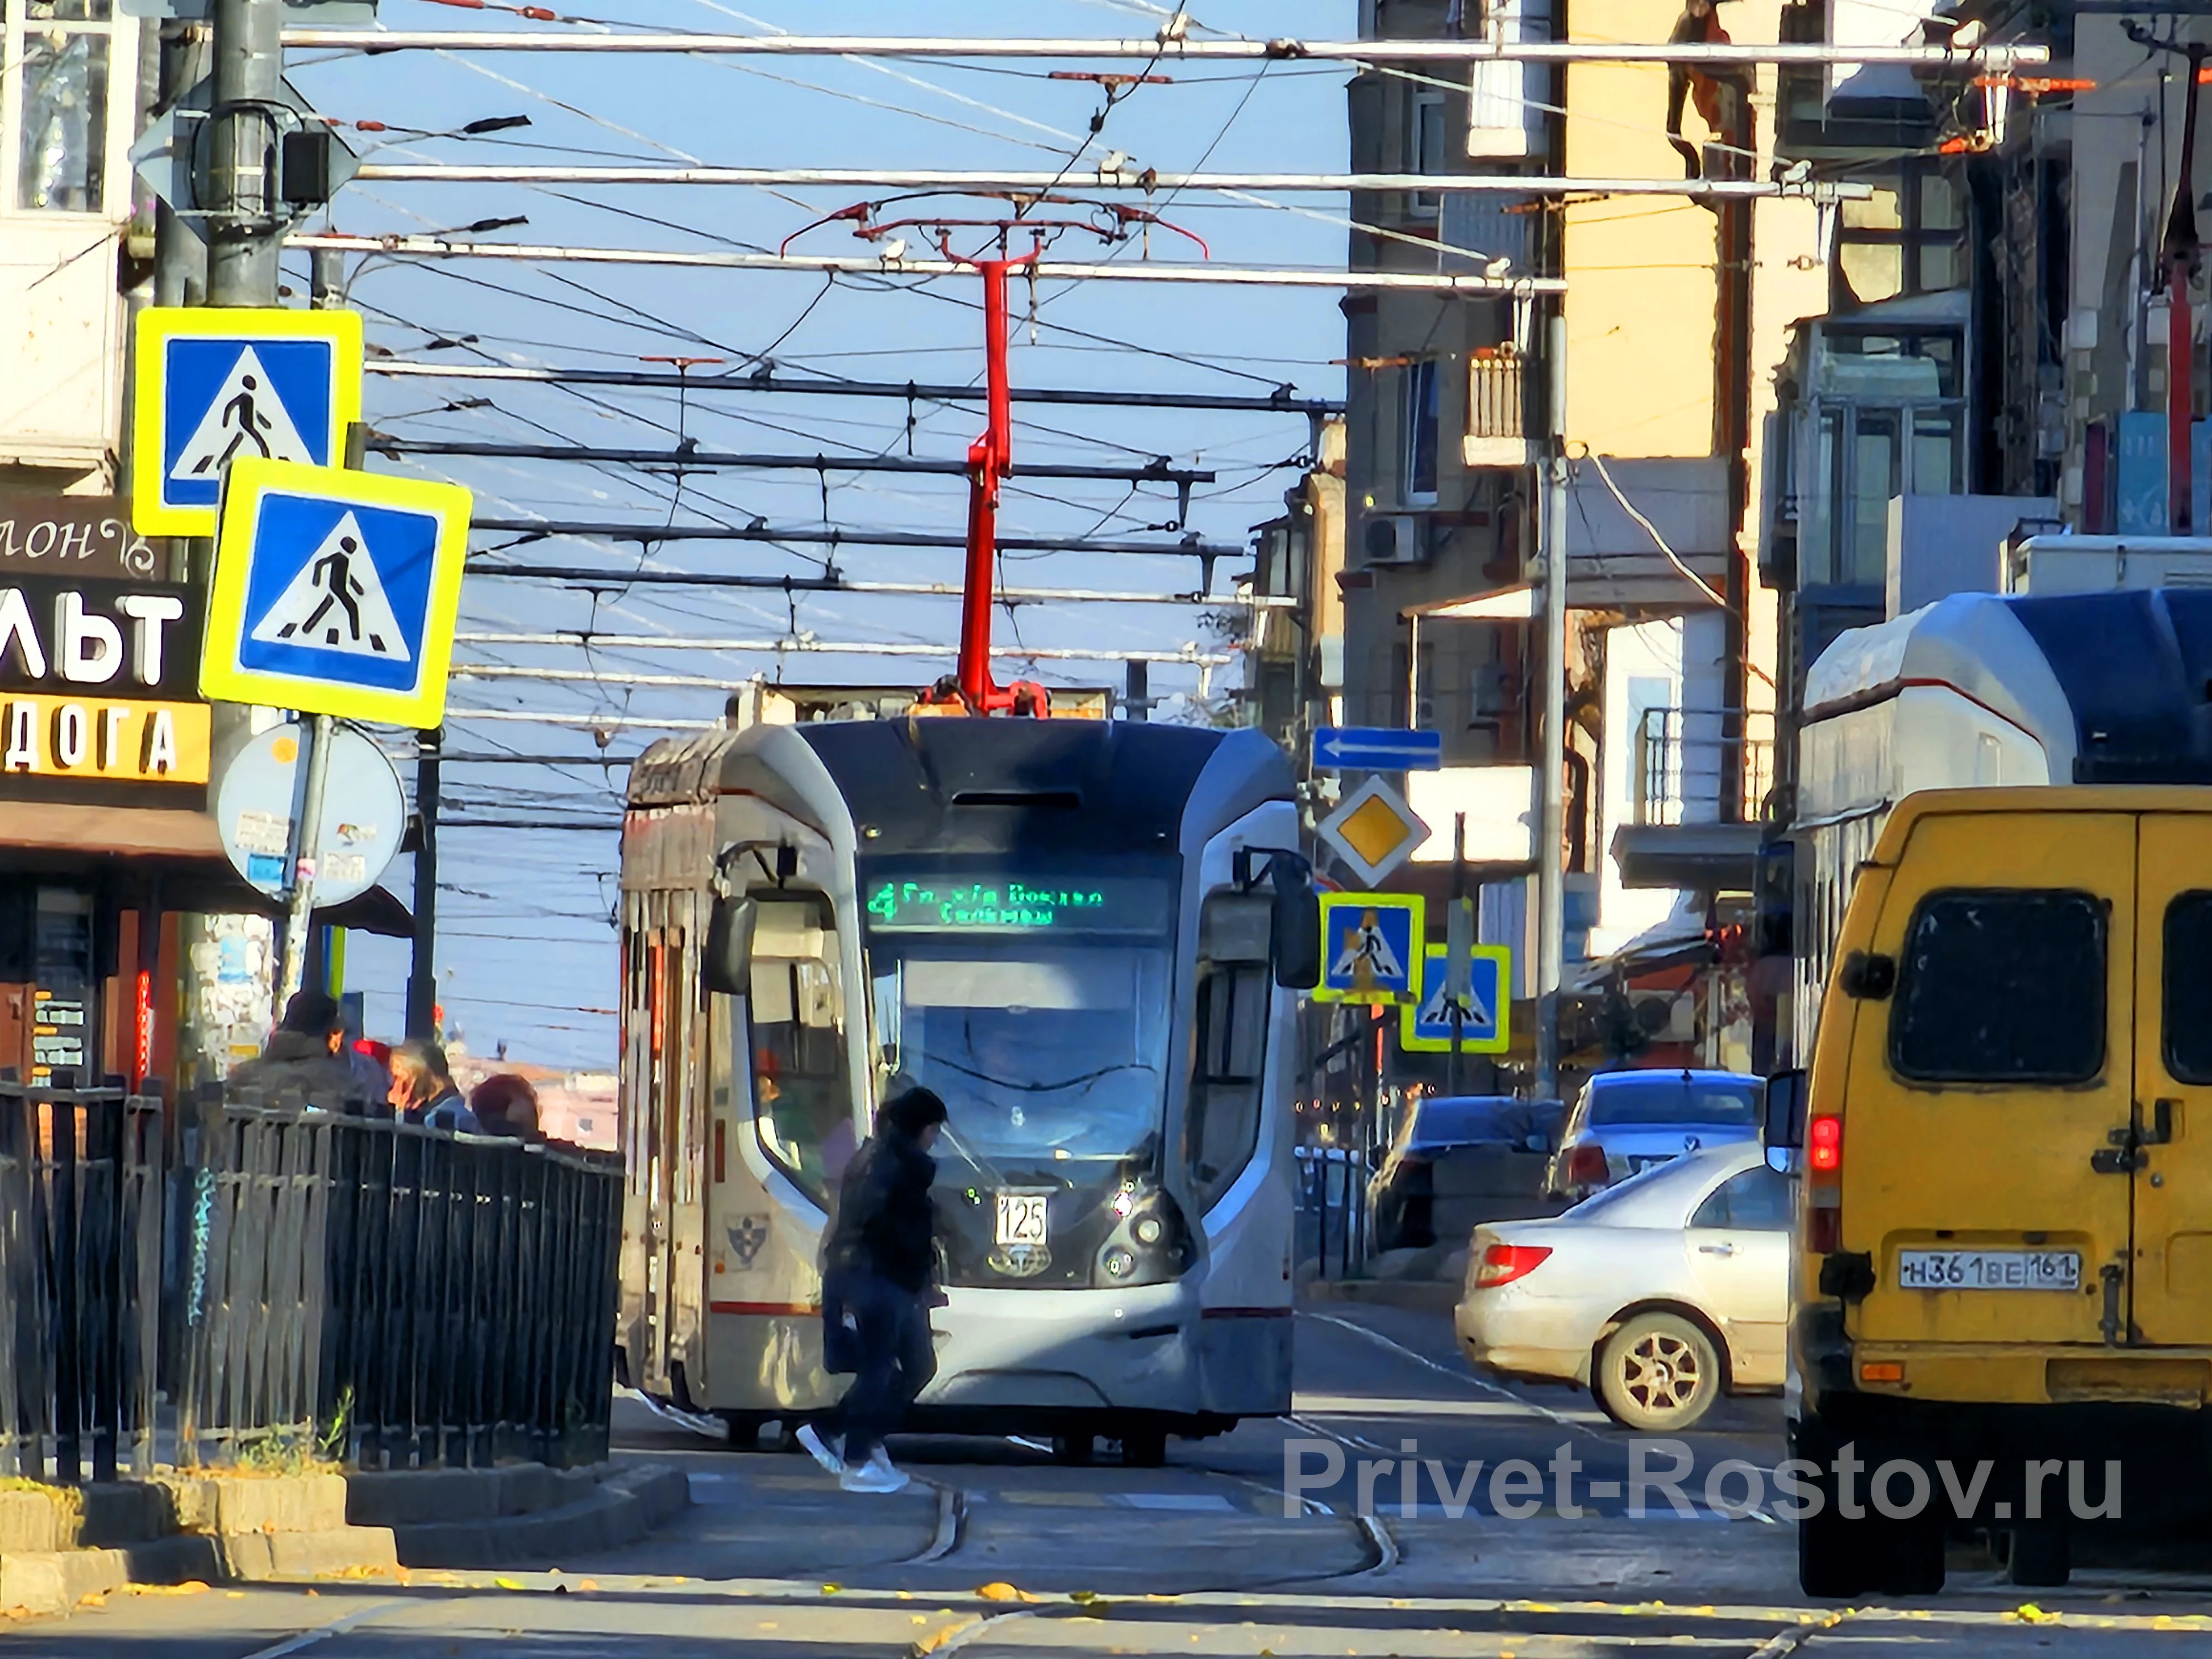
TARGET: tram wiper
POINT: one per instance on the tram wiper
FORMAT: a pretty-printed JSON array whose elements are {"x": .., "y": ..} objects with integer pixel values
[
  {"x": 974, "y": 1158},
  {"x": 1043, "y": 1088}
]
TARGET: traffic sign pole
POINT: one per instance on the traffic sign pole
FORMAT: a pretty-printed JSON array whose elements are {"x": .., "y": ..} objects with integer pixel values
[
  {"x": 299, "y": 920},
  {"x": 1454, "y": 948}
]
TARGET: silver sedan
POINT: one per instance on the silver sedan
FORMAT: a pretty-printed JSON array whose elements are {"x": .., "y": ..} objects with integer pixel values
[{"x": 1659, "y": 1294}]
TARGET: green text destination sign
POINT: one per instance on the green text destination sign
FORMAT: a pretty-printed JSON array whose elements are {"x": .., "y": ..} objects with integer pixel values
[{"x": 990, "y": 904}]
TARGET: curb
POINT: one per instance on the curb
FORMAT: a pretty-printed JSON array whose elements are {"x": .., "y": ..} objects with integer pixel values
[
  {"x": 610, "y": 1513},
  {"x": 57, "y": 1581},
  {"x": 625, "y": 1507}
]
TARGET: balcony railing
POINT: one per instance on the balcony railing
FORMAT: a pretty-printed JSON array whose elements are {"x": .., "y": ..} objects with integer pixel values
[{"x": 1684, "y": 756}]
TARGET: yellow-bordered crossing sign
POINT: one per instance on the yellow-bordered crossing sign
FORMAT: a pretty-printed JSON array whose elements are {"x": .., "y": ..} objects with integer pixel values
[
  {"x": 1486, "y": 1021},
  {"x": 216, "y": 385},
  {"x": 335, "y": 592},
  {"x": 1370, "y": 946}
]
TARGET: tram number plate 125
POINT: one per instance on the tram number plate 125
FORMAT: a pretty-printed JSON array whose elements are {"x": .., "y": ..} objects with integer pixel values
[{"x": 1022, "y": 1218}]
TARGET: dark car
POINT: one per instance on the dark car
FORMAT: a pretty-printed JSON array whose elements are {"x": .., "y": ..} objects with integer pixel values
[{"x": 1459, "y": 1160}]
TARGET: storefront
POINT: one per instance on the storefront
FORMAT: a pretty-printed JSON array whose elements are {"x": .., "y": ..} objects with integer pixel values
[{"x": 106, "y": 839}]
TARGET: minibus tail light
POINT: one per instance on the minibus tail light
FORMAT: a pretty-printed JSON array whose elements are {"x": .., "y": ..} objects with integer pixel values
[{"x": 1824, "y": 1144}]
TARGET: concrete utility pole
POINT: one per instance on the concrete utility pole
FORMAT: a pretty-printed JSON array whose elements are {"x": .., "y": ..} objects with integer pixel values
[
  {"x": 244, "y": 231},
  {"x": 1551, "y": 861}
]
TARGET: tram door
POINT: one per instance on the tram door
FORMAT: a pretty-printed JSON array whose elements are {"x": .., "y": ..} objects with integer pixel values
[{"x": 667, "y": 1028}]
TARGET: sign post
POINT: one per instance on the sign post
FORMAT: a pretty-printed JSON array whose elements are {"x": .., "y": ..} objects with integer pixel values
[{"x": 335, "y": 592}]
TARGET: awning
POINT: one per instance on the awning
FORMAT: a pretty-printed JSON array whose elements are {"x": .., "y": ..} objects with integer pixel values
[{"x": 180, "y": 847}]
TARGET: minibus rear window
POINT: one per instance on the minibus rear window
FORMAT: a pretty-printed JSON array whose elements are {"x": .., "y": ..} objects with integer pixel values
[
  {"x": 2188, "y": 988},
  {"x": 2003, "y": 986}
]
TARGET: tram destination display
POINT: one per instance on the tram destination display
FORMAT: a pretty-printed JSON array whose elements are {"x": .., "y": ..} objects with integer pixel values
[{"x": 992, "y": 903}]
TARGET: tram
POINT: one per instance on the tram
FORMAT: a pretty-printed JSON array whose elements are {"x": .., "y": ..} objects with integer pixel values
[{"x": 1085, "y": 936}]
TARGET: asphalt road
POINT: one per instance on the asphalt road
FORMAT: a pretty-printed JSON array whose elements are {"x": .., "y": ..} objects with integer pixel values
[{"x": 996, "y": 1550}]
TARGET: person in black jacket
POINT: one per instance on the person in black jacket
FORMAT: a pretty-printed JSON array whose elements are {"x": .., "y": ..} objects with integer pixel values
[
  {"x": 877, "y": 1272},
  {"x": 305, "y": 1063}
]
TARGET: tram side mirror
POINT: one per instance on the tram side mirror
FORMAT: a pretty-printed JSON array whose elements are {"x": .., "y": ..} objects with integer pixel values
[
  {"x": 1783, "y": 1131},
  {"x": 729, "y": 957},
  {"x": 1297, "y": 924}
]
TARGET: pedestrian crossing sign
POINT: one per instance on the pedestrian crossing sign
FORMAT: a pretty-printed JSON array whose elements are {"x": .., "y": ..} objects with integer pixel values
[
  {"x": 1371, "y": 945},
  {"x": 216, "y": 385},
  {"x": 335, "y": 592},
  {"x": 1486, "y": 1020}
]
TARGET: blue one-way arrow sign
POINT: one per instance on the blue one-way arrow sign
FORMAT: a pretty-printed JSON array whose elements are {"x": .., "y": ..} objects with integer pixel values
[{"x": 1376, "y": 749}]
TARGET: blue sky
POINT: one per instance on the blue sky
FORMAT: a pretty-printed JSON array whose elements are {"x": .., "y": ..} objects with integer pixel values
[{"x": 523, "y": 929}]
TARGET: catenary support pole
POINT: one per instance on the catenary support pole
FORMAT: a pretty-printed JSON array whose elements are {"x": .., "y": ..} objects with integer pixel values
[
  {"x": 244, "y": 235},
  {"x": 1551, "y": 927}
]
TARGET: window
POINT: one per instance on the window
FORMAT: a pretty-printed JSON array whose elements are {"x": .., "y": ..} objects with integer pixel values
[
  {"x": 1756, "y": 1200},
  {"x": 1655, "y": 1099},
  {"x": 2003, "y": 986},
  {"x": 55, "y": 55},
  {"x": 1909, "y": 237},
  {"x": 1222, "y": 1127},
  {"x": 2188, "y": 988},
  {"x": 1418, "y": 428},
  {"x": 1424, "y": 150},
  {"x": 795, "y": 1031}
]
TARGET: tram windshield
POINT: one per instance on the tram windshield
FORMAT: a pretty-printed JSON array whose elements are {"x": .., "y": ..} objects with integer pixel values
[{"x": 1038, "y": 1010}]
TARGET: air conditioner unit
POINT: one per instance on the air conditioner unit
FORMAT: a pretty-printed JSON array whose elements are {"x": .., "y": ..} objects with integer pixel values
[{"x": 1394, "y": 538}]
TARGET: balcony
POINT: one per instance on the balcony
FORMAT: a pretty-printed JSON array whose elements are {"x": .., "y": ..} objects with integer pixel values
[{"x": 1685, "y": 766}]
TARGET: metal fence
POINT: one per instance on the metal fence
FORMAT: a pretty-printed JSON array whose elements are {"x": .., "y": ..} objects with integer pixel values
[
  {"x": 337, "y": 1287},
  {"x": 80, "y": 1266}
]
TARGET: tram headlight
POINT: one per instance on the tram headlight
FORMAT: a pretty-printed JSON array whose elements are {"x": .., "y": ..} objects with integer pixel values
[
  {"x": 1147, "y": 1230},
  {"x": 1118, "y": 1262}
]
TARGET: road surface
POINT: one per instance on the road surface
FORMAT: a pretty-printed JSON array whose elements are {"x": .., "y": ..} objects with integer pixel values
[{"x": 997, "y": 1551}]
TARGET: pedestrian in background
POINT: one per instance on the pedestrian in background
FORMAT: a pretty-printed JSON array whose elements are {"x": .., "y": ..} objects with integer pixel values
[
  {"x": 303, "y": 1064},
  {"x": 878, "y": 1269},
  {"x": 424, "y": 1091},
  {"x": 506, "y": 1104}
]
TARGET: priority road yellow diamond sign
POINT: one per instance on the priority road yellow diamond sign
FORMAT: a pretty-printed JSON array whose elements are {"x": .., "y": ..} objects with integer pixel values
[{"x": 1373, "y": 831}]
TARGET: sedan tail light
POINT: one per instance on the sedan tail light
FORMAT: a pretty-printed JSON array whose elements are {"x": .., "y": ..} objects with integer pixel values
[
  {"x": 1586, "y": 1166},
  {"x": 1503, "y": 1263}
]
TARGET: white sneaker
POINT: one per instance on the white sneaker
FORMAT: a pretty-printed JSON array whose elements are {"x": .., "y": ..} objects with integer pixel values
[
  {"x": 830, "y": 1454},
  {"x": 876, "y": 1474}
]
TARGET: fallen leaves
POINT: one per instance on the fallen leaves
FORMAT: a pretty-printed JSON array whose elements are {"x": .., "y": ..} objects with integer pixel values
[{"x": 1002, "y": 1591}]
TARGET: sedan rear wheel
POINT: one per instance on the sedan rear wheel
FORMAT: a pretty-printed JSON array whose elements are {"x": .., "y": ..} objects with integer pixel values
[{"x": 1658, "y": 1371}]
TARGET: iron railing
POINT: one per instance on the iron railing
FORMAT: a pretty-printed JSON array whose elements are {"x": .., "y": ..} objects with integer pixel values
[
  {"x": 1683, "y": 759},
  {"x": 337, "y": 1287},
  {"x": 399, "y": 1296},
  {"x": 80, "y": 1280}
]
